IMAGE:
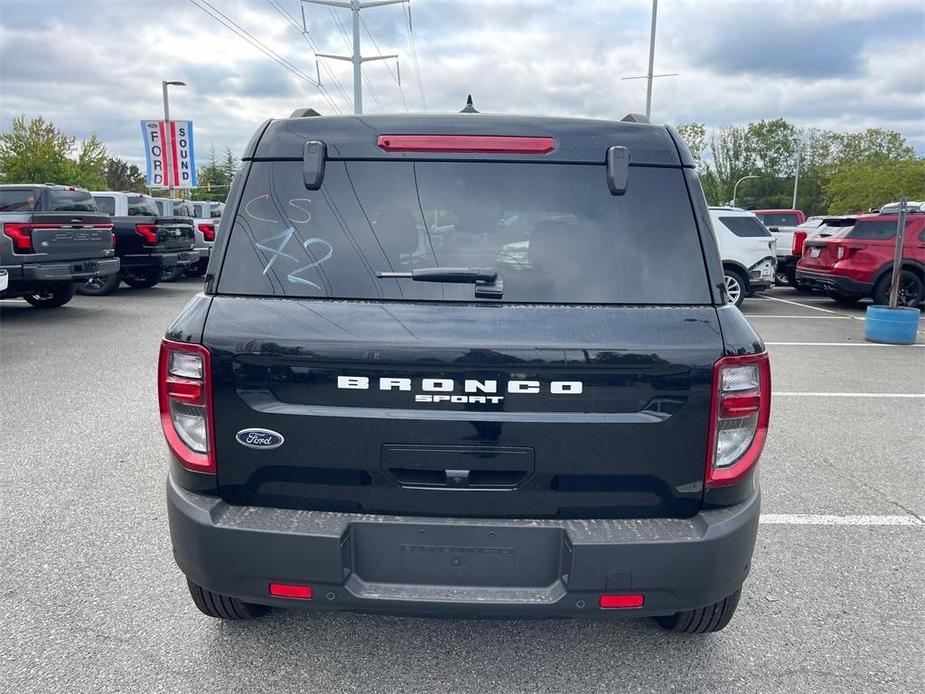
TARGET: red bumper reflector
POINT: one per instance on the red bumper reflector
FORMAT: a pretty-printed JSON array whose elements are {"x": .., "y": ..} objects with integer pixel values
[
  {"x": 289, "y": 590},
  {"x": 483, "y": 144},
  {"x": 609, "y": 602}
]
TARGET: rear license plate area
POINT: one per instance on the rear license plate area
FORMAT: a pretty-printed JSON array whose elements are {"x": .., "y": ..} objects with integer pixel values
[{"x": 457, "y": 555}]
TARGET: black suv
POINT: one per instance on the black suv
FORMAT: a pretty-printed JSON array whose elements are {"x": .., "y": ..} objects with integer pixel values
[{"x": 465, "y": 364}]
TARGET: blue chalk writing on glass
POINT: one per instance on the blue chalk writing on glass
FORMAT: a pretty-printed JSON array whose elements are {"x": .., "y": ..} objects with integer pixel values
[
  {"x": 294, "y": 277},
  {"x": 276, "y": 252}
]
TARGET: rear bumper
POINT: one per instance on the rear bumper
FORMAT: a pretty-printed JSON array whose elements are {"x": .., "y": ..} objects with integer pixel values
[
  {"x": 836, "y": 283},
  {"x": 374, "y": 563},
  {"x": 160, "y": 260},
  {"x": 73, "y": 270},
  {"x": 204, "y": 252}
]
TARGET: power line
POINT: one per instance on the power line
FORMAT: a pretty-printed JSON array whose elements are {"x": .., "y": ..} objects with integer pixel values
[
  {"x": 369, "y": 84},
  {"x": 414, "y": 55},
  {"x": 388, "y": 67},
  {"x": 303, "y": 30},
  {"x": 241, "y": 32}
]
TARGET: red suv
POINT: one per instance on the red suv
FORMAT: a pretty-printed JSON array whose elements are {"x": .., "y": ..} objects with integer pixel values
[{"x": 858, "y": 263}]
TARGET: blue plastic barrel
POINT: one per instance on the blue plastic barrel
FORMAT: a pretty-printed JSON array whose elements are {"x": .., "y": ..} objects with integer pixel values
[{"x": 896, "y": 326}]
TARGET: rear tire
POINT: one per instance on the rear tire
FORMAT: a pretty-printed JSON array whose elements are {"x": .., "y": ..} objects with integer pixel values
[
  {"x": 53, "y": 295},
  {"x": 910, "y": 289},
  {"x": 222, "y": 606},
  {"x": 196, "y": 270},
  {"x": 172, "y": 274},
  {"x": 143, "y": 280},
  {"x": 736, "y": 286},
  {"x": 99, "y": 286},
  {"x": 704, "y": 620}
]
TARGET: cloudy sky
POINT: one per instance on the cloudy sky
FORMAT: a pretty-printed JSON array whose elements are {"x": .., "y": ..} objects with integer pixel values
[{"x": 97, "y": 65}]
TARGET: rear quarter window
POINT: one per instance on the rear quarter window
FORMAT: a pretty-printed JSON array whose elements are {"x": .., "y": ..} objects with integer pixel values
[
  {"x": 553, "y": 231},
  {"x": 18, "y": 199},
  {"x": 745, "y": 227},
  {"x": 873, "y": 230}
]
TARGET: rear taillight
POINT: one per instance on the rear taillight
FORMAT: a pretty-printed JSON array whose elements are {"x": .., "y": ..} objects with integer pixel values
[
  {"x": 148, "y": 232},
  {"x": 740, "y": 410},
  {"x": 21, "y": 235},
  {"x": 185, "y": 397},
  {"x": 208, "y": 231},
  {"x": 843, "y": 252},
  {"x": 799, "y": 238},
  {"x": 481, "y": 144}
]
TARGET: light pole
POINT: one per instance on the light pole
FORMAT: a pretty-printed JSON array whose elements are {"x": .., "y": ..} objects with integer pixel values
[
  {"x": 736, "y": 187},
  {"x": 796, "y": 178},
  {"x": 164, "y": 85}
]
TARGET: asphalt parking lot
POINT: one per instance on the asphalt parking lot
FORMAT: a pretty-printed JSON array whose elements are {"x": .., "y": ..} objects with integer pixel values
[{"x": 90, "y": 599}]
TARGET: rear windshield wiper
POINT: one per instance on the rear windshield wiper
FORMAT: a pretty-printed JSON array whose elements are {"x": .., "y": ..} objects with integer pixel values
[{"x": 487, "y": 281}]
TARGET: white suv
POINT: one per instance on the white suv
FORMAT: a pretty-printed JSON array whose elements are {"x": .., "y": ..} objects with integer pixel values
[{"x": 747, "y": 249}]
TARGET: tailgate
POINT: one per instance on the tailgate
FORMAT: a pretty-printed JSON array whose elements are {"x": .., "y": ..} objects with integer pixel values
[
  {"x": 174, "y": 233},
  {"x": 462, "y": 410},
  {"x": 69, "y": 236},
  {"x": 818, "y": 255}
]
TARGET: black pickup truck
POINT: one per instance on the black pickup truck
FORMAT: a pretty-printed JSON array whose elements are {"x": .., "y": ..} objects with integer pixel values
[
  {"x": 465, "y": 364},
  {"x": 53, "y": 236},
  {"x": 147, "y": 244}
]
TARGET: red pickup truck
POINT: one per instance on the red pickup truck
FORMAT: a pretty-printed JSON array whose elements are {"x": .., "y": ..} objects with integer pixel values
[{"x": 858, "y": 264}]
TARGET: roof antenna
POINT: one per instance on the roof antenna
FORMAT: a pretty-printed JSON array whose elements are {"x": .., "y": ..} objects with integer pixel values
[{"x": 469, "y": 107}]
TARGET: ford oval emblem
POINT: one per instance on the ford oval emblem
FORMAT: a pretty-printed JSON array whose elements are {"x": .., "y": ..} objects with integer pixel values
[{"x": 262, "y": 439}]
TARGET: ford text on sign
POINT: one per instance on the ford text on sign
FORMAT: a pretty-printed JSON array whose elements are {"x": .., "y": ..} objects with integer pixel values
[{"x": 169, "y": 153}]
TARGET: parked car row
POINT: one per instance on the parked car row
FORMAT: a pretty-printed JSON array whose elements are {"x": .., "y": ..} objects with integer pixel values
[
  {"x": 58, "y": 240},
  {"x": 857, "y": 261}
]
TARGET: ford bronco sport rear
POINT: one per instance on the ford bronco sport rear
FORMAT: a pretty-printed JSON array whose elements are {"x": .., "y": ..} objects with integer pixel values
[{"x": 465, "y": 365}]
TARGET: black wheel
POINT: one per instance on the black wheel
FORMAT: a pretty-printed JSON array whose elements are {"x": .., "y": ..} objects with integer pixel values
[
  {"x": 783, "y": 278},
  {"x": 99, "y": 286},
  {"x": 736, "y": 286},
  {"x": 911, "y": 290},
  {"x": 843, "y": 299},
  {"x": 222, "y": 606},
  {"x": 197, "y": 269},
  {"x": 143, "y": 280},
  {"x": 52, "y": 295},
  {"x": 172, "y": 274},
  {"x": 703, "y": 620}
]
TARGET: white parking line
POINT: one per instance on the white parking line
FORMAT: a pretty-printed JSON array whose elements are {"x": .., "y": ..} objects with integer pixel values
[
  {"x": 779, "y": 393},
  {"x": 797, "y": 303},
  {"x": 838, "y": 344},
  {"x": 750, "y": 316},
  {"x": 817, "y": 519}
]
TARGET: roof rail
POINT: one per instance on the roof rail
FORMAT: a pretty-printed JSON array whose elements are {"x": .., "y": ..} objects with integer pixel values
[
  {"x": 304, "y": 113},
  {"x": 634, "y": 118}
]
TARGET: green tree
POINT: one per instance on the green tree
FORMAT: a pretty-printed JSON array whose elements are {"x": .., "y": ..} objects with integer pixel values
[
  {"x": 91, "y": 165},
  {"x": 863, "y": 185},
  {"x": 213, "y": 178},
  {"x": 229, "y": 164},
  {"x": 35, "y": 152},
  {"x": 120, "y": 175}
]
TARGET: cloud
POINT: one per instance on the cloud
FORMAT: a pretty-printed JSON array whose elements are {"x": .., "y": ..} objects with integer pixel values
[{"x": 96, "y": 66}]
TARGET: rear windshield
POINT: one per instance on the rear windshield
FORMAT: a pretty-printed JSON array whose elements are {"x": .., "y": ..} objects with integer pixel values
[
  {"x": 216, "y": 211},
  {"x": 141, "y": 206},
  {"x": 782, "y": 219},
  {"x": 183, "y": 209},
  {"x": 873, "y": 230},
  {"x": 746, "y": 227},
  {"x": 60, "y": 200},
  {"x": 18, "y": 199},
  {"x": 105, "y": 204},
  {"x": 553, "y": 232}
]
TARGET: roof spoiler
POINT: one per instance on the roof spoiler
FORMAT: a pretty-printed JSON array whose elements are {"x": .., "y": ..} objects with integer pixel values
[
  {"x": 634, "y": 118},
  {"x": 304, "y": 113}
]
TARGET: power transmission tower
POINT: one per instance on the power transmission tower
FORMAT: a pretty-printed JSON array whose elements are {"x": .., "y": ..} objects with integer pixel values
[{"x": 357, "y": 59}]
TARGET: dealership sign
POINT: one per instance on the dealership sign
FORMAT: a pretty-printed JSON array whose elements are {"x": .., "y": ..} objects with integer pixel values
[{"x": 169, "y": 153}]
